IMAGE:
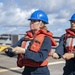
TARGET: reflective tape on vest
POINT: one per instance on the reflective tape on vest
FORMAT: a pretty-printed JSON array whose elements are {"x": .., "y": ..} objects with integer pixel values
[{"x": 70, "y": 44}]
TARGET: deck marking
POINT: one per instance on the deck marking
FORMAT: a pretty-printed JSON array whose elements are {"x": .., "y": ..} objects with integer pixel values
[{"x": 17, "y": 68}]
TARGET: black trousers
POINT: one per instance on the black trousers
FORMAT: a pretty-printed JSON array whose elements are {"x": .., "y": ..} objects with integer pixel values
[{"x": 69, "y": 68}]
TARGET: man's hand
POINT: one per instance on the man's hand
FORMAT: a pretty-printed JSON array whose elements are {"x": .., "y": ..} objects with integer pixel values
[
  {"x": 55, "y": 55},
  {"x": 68, "y": 56},
  {"x": 18, "y": 50}
]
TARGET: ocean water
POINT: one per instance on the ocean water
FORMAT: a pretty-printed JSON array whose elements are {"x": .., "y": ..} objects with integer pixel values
[{"x": 13, "y": 29}]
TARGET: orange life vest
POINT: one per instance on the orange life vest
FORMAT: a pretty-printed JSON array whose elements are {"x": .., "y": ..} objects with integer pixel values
[
  {"x": 35, "y": 45},
  {"x": 70, "y": 40}
]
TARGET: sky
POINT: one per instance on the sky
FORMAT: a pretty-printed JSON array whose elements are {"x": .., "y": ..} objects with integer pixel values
[{"x": 16, "y": 13}]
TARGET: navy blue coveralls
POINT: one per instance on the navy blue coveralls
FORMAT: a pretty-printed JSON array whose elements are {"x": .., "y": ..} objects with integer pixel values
[
  {"x": 69, "y": 68},
  {"x": 37, "y": 57}
]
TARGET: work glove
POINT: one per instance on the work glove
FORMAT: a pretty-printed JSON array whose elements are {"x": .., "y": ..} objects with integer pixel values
[
  {"x": 18, "y": 50},
  {"x": 68, "y": 56},
  {"x": 55, "y": 55}
]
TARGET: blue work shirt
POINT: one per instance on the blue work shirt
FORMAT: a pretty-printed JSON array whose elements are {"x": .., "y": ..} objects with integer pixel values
[
  {"x": 37, "y": 57},
  {"x": 41, "y": 55},
  {"x": 60, "y": 48},
  {"x": 69, "y": 68}
]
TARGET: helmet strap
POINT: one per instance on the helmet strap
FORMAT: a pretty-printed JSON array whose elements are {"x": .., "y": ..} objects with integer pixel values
[{"x": 40, "y": 22}]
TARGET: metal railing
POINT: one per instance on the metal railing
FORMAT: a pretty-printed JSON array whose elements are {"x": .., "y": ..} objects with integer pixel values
[{"x": 9, "y": 39}]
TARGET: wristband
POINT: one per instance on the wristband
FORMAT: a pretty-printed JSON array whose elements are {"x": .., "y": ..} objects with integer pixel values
[{"x": 59, "y": 56}]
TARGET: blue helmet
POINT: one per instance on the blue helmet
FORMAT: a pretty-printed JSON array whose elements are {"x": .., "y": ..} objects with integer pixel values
[
  {"x": 73, "y": 17},
  {"x": 39, "y": 15}
]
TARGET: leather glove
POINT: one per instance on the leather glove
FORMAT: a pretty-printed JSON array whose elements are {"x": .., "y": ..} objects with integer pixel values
[
  {"x": 18, "y": 50},
  {"x": 68, "y": 56},
  {"x": 55, "y": 56}
]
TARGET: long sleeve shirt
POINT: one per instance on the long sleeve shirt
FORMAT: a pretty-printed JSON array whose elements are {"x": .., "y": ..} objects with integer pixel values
[
  {"x": 60, "y": 48},
  {"x": 39, "y": 56}
]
